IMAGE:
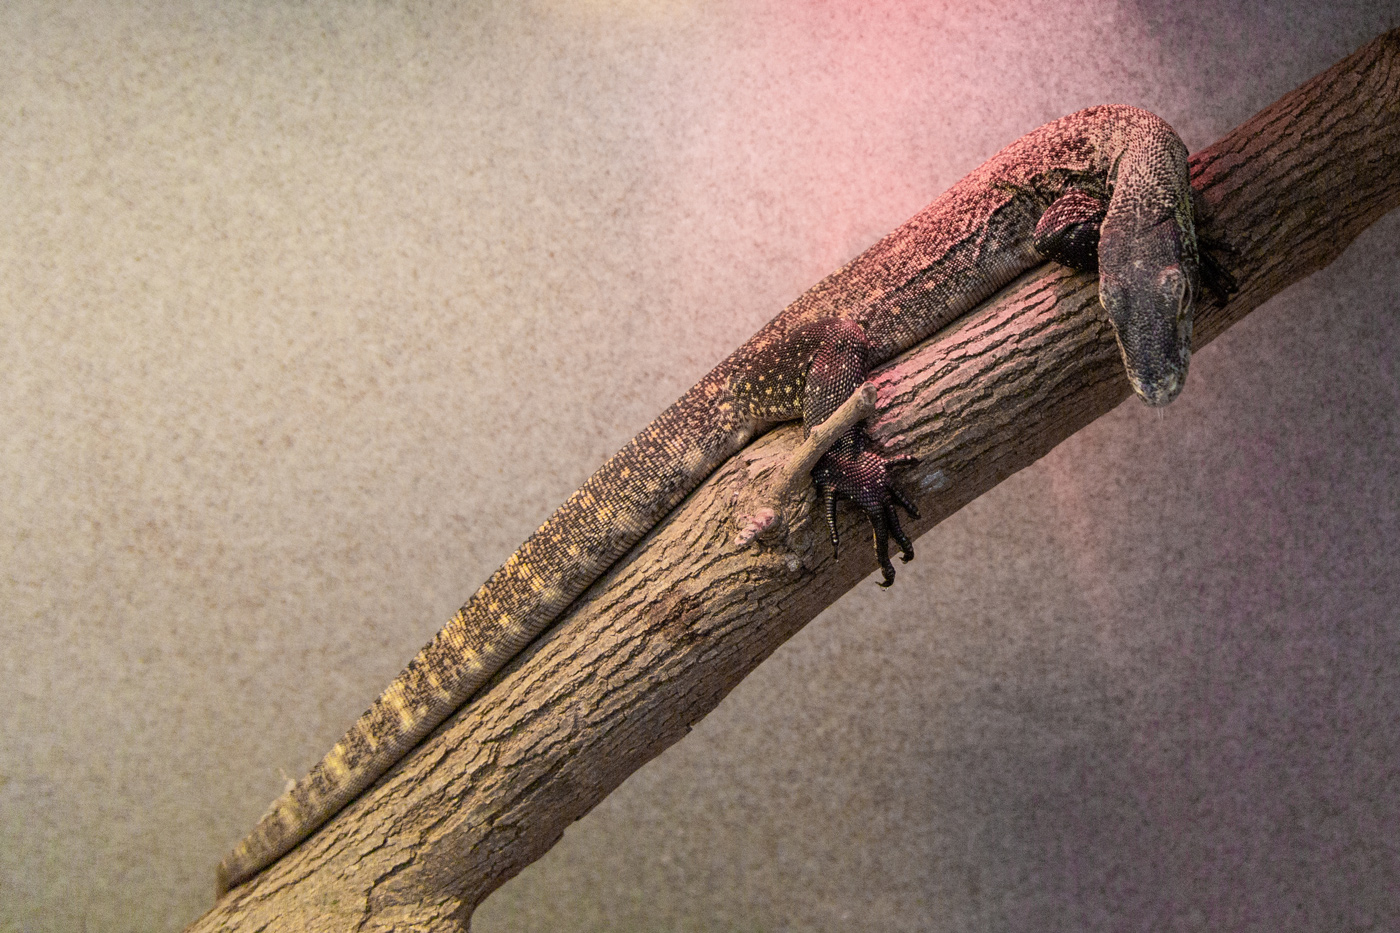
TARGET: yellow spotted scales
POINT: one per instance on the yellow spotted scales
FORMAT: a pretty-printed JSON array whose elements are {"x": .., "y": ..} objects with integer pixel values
[{"x": 1105, "y": 186}]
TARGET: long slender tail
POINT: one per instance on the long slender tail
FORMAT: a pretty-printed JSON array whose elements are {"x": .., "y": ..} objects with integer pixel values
[{"x": 613, "y": 510}]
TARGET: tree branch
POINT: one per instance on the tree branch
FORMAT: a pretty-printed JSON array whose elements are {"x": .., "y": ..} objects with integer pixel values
[{"x": 659, "y": 641}]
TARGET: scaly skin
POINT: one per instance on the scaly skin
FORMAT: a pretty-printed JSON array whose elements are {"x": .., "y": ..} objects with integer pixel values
[{"x": 949, "y": 258}]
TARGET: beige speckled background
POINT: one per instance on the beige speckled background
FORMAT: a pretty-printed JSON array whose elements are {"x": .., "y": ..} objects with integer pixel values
[{"x": 310, "y": 312}]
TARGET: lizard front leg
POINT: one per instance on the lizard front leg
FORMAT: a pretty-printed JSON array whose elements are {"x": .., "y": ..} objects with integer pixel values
[
  {"x": 1068, "y": 233},
  {"x": 808, "y": 374}
]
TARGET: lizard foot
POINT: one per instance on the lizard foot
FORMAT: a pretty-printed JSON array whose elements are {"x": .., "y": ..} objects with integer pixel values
[
  {"x": 1214, "y": 252},
  {"x": 1214, "y": 276},
  {"x": 852, "y": 471}
]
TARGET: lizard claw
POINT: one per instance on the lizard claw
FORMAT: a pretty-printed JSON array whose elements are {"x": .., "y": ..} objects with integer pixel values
[{"x": 852, "y": 471}]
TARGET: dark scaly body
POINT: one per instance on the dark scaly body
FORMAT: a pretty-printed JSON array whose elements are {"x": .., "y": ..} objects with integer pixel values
[{"x": 953, "y": 255}]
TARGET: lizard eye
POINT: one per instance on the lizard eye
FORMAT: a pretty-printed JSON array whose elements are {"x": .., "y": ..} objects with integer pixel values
[
  {"x": 1172, "y": 282},
  {"x": 1176, "y": 287}
]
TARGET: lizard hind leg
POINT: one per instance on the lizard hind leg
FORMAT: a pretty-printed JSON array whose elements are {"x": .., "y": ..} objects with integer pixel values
[
  {"x": 852, "y": 469},
  {"x": 809, "y": 373}
]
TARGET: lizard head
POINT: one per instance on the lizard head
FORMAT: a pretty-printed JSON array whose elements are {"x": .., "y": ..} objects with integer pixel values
[{"x": 1146, "y": 285}]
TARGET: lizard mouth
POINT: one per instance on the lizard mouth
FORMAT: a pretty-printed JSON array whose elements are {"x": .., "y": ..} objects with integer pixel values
[{"x": 1161, "y": 392}]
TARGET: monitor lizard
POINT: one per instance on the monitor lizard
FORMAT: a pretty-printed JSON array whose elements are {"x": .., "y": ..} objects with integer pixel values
[{"x": 1105, "y": 188}]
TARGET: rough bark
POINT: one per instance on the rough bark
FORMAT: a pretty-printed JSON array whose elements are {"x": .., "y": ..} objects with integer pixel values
[{"x": 658, "y": 642}]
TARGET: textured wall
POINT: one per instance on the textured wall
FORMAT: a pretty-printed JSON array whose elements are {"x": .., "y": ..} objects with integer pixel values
[{"x": 308, "y": 314}]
